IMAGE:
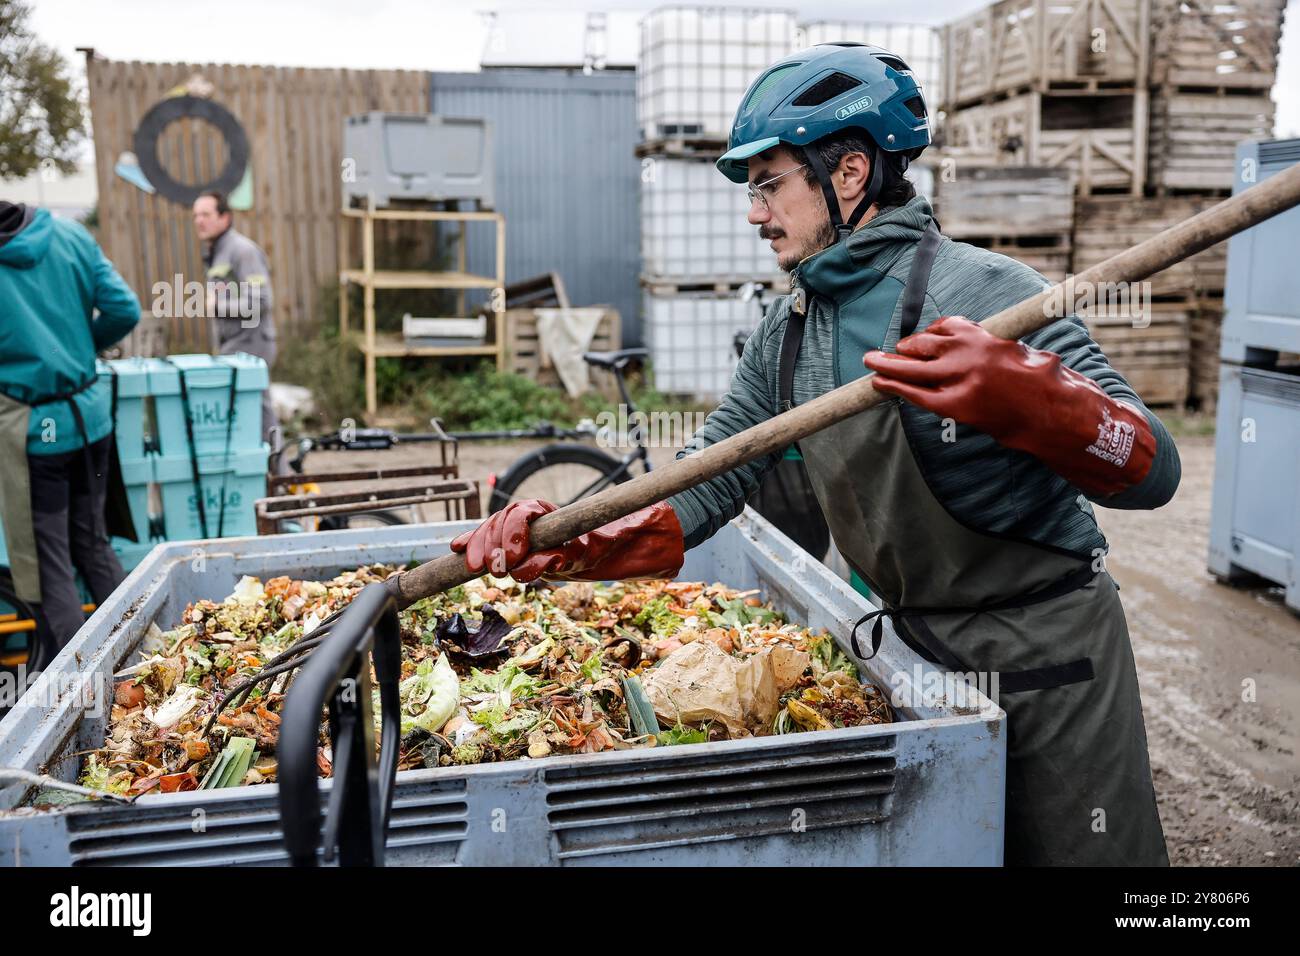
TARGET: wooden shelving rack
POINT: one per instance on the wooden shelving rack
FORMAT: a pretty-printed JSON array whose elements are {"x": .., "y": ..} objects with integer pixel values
[{"x": 375, "y": 345}]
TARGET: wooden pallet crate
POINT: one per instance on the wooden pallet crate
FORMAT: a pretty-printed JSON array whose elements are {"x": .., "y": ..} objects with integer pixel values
[
  {"x": 1203, "y": 365},
  {"x": 1089, "y": 46},
  {"x": 524, "y": 354},
  {"x": 1107, "y": 225},
  {"x": 1208, "y": 43},
  {"x": 681, "y": 147},
  {"x": 1047, "y": 254},
  {"x": 1099, "y": 141},
  {"x": 1194, "y": 136},
  {"x": 1154, "y": 356},
  {"x": 717, "y": 285},
  {"x": 1007, "y": 201}
]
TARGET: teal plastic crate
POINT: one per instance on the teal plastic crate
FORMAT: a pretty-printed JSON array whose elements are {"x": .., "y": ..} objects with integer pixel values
[
  {"x": 132, "y": 428},
  {"x": 207, "y": 381},
  {"x": 131, "y": 553},
  {"x": 137, "y": 475},
  {"x": 241, "y": 473}
]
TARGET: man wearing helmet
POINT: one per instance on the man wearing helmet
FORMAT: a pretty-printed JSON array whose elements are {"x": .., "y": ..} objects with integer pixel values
[{"x": 965, "y": 501}]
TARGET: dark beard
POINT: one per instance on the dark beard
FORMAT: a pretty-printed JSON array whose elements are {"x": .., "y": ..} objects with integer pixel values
[{"x": 824, "y": 239}]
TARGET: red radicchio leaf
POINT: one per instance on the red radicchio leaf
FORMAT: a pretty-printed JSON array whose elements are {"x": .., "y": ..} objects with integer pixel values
[{"x": 487, "y": 641}]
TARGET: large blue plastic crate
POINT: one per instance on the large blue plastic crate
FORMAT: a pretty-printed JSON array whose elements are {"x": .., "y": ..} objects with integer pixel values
[
  {"x": 207, "y": 382},
  {"x": 239, "y": 478},
  {"x": 928, "y": 789},
  {"x": 133, "y": 385},
  {"x": 131, "y": 553},
  {"x": 137, "y": 475}
]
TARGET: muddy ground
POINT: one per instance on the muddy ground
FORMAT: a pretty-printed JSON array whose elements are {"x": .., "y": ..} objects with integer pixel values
[
  {"x": 1227, "y": 774},
  {"x": 1226, "y": 771}
]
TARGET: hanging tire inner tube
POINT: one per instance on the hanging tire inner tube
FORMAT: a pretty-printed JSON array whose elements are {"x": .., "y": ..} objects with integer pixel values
[{"x": 168, "y": 111}]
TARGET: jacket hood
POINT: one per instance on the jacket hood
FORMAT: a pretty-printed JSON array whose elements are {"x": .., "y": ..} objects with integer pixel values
[
  {"x": 882, "y": 239},
  {"x": 25, "y": 237},
  {"x": 847, "y": 269}
]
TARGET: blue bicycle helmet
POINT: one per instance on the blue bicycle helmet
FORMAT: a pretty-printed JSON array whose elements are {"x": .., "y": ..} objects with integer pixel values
[{"x": 827, "y": 89}]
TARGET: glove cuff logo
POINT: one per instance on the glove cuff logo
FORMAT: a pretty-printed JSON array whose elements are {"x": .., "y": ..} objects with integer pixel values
[{"x": 1114, "y": 442}]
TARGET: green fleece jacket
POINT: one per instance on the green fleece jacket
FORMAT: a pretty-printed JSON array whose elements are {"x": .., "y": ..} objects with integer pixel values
[
  {"x": 53, "y": 278},
  {"x": 984, "y": 485}
]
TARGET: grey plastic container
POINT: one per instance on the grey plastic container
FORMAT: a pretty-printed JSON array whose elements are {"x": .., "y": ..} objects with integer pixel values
[
  {"x": 928, "y": 789},
  {"x": 1261, "y": 311},
  {"x": 419, "y": 156}
]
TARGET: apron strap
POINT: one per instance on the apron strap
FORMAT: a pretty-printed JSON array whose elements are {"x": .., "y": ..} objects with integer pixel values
[
  {"x": 790, "y": 344},
  {"x": 915, "y": 629},
  {"x": 916, "y": 634},
  {"x": 918, "y": 278}
]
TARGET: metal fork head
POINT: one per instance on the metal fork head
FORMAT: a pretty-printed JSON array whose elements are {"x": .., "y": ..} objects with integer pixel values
[{"x": 291, "y": 658}]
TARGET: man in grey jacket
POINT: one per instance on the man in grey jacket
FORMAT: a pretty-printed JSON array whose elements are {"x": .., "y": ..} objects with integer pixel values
[{"x": 239, "y": 289}]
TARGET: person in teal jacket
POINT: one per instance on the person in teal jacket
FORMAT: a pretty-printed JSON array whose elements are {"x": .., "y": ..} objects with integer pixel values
[{"x": 56, "y": 425}]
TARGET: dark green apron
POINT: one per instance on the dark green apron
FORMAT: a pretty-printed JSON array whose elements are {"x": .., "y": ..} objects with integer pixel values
[{"x": 1079, "y": 788}]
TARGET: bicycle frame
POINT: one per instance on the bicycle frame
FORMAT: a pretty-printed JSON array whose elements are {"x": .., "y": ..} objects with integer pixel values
[{"x": 625, "y": 463}]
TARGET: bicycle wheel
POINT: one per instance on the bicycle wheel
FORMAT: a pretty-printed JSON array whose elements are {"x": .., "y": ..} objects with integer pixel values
[
  {"x": 559, "y": 474},
  {"x": 16, "y": 647},
  {"x": 363, "y": 519}
]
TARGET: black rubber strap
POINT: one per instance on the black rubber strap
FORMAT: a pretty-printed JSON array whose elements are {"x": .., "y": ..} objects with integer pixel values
[
  {"x": 112, "y": 377},
  {"x": 227, "y": 464},
  {"x": 918, "y": 279},
  {"x": 194, "y": 454}
]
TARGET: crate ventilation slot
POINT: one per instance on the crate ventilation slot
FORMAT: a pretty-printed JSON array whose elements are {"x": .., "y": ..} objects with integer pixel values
[
  {"x": 646, "y": 805},
  {"x": 1277, "y": 385},
  {"x": 244, "y": 832},
  {"x": 1283, "y": 152}
]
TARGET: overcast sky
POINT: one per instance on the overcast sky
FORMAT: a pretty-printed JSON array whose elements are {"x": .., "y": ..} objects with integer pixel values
[{"x": 429, "y": 35}]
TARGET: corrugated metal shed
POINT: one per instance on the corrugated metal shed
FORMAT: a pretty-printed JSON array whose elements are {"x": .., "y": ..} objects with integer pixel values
[{"x": 567, "y": 180}]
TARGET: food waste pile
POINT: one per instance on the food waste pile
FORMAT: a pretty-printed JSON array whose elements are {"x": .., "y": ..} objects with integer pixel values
[{"x": 493, "y": 670}]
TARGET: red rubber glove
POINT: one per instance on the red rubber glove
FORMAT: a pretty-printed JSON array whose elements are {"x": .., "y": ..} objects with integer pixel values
[
  {"x": 645, "y": 544},
  {"x": 1022, "y": 397}
]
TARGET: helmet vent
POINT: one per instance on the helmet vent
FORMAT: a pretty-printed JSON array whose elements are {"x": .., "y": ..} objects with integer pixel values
[
  {"x": 766, "y": 82},
  {"x": 894, "y": 63},
  {"x": 827, "y": 88},
  {"x": 917, "y": 106}
]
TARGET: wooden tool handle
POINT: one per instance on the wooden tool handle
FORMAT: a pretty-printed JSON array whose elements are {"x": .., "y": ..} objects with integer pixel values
[{"x": 1229, "y": 217}]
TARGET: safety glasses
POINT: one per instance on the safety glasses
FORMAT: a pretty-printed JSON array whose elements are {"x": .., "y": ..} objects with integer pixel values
[{"x": 759, "y": 190}]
